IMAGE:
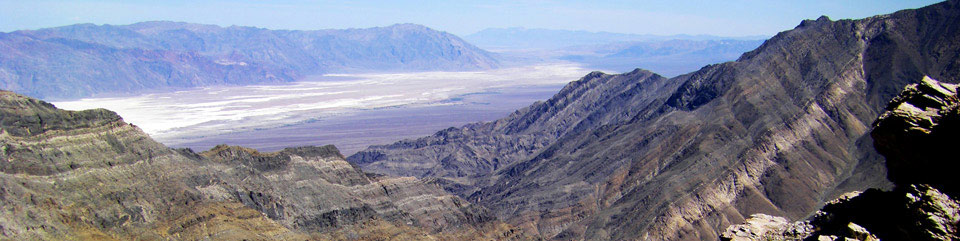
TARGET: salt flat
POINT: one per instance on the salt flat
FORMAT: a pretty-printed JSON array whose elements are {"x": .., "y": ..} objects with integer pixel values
[{"x": 203, "y": 117}]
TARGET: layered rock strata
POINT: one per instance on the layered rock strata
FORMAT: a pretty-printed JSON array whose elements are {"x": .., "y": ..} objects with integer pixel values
[
  {"x": 89, "y": 175},
  {"x": 637, "y": 156}
]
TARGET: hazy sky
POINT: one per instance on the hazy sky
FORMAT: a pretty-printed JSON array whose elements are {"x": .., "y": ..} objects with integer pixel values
[{"x": 726, "y": 18}]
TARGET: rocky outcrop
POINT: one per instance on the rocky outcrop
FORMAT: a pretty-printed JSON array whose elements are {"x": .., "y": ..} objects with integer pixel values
[
  {"x": 766, "y": 227},
  {"x": 89, "y": 175},
  {"x": 912, "y": 212},
  {"x": 48, "y": 141},
  {"x": 917, "y": 135},
  {"x": 779, "y": 131}
]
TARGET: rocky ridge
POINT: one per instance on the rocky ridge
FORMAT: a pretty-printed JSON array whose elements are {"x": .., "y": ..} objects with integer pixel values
[
  {"x": 458, "y": 156},
  {"x": 89, "y": 175},
  {"x": 779, "y": 131}
]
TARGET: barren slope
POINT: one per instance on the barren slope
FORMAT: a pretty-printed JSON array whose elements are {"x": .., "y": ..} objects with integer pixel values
[
  {"x": 778, "y": 131},
  {"x": 89, "y": 175}
]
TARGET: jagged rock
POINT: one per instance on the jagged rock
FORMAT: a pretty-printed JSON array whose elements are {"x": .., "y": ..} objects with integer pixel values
[
  {"x": 854, "y": 231},
  {"x": 917, "y": 135},
  {"x": 914, "y": 212},
  {"x": 766, "y": 227}
]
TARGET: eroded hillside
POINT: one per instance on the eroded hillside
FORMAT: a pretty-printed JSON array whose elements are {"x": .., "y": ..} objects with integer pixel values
[
  {"x": 89, "y": 175},
  {"x": 636, "y": 156}
]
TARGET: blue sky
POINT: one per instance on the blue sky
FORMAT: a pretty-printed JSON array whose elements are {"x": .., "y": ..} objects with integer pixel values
[{"x": 724, "y": 18}]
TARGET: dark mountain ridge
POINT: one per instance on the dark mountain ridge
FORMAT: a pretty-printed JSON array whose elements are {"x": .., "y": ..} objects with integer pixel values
[
  {"x": 86, "y": 59},
  {"x": 637, "y": 156}
]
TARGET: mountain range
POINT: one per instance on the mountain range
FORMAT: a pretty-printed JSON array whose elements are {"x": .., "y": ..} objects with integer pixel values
[
  {"x": 538, "y": 38},
  {"x": 665, "y": 57},
  {"x": 86, "y": 60},
  {"x": 632, "y": 156},
  {"x": 669, "y": 55},
  {"x": 781, "y": 130}
]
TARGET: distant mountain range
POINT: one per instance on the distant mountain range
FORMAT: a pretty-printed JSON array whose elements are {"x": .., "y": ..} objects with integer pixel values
[
  {"x": 85, "y": 59},
  {"x": 665, "y": 57},
  {"x": 670, "y": 55},
  {"x": 637, "y": 156},
  {"x": 540, "y": 39}
]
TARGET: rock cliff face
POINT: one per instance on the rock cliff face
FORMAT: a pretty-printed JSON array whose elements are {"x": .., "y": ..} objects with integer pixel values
[
  {"x": 86, "y": 59},
  {"x": 89, "y": 175},
  {"x": 635, "y": 156}
]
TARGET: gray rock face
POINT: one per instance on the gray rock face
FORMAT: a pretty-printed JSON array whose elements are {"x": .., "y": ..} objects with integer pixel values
[
  {"x": 86, "y": 59},
  {"x": 779, "y": 131},
  {"x": 89, "y": 175}
]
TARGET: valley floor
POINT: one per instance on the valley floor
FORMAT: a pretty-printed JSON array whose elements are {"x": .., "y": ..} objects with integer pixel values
[{"x": 351, "y": 111}]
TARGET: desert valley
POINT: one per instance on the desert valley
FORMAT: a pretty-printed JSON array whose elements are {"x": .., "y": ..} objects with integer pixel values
[{"x": 836, "y": 129}]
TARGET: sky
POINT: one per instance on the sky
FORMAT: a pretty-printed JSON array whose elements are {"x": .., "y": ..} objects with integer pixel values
[{"x": 721, "y": 18}]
